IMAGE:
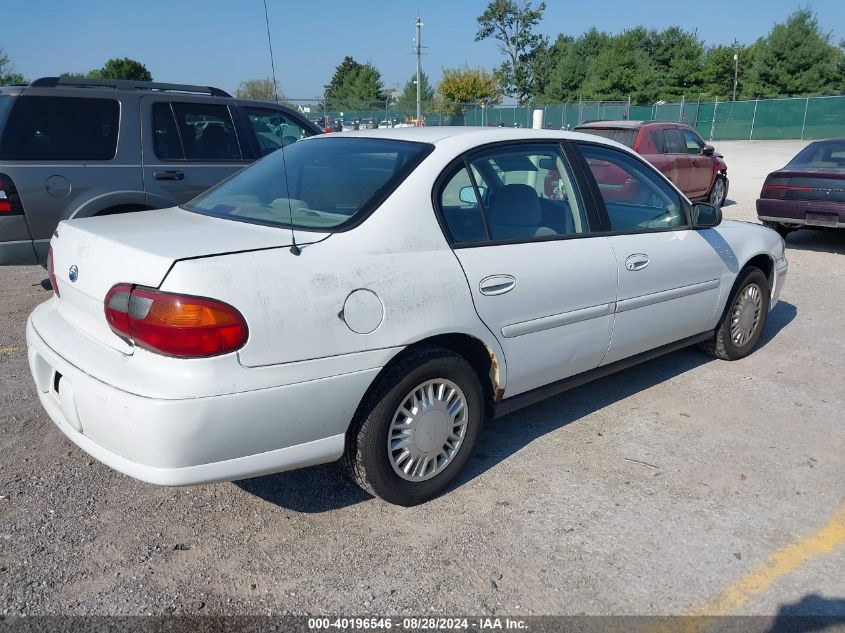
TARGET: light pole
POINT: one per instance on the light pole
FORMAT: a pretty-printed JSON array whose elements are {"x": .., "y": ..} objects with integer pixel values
[
  {"x": 736, "y": 72},
  {"x": 419, "y": 68}
]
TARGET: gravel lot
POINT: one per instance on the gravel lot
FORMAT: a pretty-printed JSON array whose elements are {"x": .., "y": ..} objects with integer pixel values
[{"x": 648, "y": 492}]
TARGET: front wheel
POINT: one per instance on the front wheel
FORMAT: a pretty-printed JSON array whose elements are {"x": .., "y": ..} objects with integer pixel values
[
  {"x": 744, "y": 317},
  {"x": 416, "y": 429},
  {"x": 719, "y": 191}
]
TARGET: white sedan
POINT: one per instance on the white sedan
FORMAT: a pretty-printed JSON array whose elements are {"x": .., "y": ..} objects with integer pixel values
[{"x": 374, "y": 296}]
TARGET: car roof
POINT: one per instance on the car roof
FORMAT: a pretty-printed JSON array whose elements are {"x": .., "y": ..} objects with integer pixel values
[
  {"x": 623, "y": 123},
  {"x": 465, "y": 138},
  {"x": 628, "y": 125}
]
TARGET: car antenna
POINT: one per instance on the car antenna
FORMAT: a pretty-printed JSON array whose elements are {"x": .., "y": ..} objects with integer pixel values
[{"x": 293, "y": 247}]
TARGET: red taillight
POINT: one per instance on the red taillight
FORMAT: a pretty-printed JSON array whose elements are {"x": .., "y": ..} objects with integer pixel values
[
  {"x": 51, "y": 272},
  {"x": 173, "y": 324},
  {"x": 780, "y": 192},
  {"x": 10, "y": 202}
]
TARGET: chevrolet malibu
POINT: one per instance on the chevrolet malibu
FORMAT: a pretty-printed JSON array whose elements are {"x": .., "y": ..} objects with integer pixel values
[{"x": 374, "y": 296}]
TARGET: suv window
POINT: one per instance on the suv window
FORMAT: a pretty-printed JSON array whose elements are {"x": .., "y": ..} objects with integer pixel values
[
  {"x": 273, "y": 129},
  {"x": 693, "y": 143},
  {"x": 61, "y": 128},
  {"x": 674, "y": 143},
  {"x": 636, "y": 198},
  {"x": 206, "y": 131},
  {"x": 526, "y": 192},
  {"x": 165, "y": 136}
]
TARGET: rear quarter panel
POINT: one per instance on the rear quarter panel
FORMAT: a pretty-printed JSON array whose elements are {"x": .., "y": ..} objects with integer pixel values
[{"x": 295, "y": 306}]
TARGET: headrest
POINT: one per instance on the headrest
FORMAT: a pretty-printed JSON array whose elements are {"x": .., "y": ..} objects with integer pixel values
[{"x": 516, "y": 205}]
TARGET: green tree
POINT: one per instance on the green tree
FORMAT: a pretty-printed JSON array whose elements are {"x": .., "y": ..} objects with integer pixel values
[
  {"x": 260, "y": 90},
  {"x": 343, "y": 70},
  {"x": 678, "y": 58},
  {"x": 574, "y": 59},
  {"x": 8, "y": 76},
  {"x": 623, "y": 69},
  {"x": 719, "y": 68},
  {"x": 354, "y": 84},
  {"x": 513, "y": 25},
  {"x": 122, "y": 68},
  {"x": 408, "y": 98},
  {"x": 796, "y": 58}
]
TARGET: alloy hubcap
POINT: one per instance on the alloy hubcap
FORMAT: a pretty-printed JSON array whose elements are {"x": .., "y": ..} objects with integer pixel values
[
  {"x": 718, "y": 192},
  {"x": 745, "y": 316},
  {"x": 427, "y": 430}
]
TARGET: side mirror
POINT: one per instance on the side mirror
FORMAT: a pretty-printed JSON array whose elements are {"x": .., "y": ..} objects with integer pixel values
[
  {"x": 705, "y": 215},
  {"x": 709, "y": 150},
  {"x": 467, "y": 194}
]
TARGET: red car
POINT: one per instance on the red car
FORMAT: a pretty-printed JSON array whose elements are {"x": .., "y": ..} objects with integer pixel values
[{"x": 676, "y": 150}]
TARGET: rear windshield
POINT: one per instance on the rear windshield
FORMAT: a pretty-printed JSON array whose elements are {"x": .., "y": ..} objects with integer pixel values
[
  {"x": 61, "y": 128},
  {"x": 333, "y": 183},
  {"x": 626, "y": 136},
  {"x": 829, "y": 154}
]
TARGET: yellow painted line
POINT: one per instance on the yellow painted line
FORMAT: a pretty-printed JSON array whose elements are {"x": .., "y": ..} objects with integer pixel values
[
  {"x": 781, "y": 563},
  {"x": 9, "y": 350}
]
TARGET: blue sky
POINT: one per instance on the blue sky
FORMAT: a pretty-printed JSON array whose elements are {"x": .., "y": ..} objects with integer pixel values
[{"x": 216, "y": 42}]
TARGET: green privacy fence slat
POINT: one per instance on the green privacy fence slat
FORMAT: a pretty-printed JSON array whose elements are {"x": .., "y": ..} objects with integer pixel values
[
  {"x": 763, "y": 119},
  {"x": 825, "y": 118}
]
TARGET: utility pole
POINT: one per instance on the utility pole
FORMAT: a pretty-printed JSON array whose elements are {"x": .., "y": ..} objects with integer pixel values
[
  {"x": 419, "y": 69},
  {"x": 736, "y": 72}
]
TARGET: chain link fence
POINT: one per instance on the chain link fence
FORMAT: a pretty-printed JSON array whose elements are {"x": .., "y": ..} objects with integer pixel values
[{"x": 760, "y": 119}]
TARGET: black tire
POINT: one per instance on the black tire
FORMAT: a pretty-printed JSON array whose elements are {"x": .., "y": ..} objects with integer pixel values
[
  {"x": 722, "y": 344},
  {"x": 367, "y": 460},
  {"x": 782, "y": 229},
  {"x": 718, "y": 191}
]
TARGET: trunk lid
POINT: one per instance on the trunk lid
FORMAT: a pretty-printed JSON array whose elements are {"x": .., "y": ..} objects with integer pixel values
[
  {"x": 140, "y": 248},
  {"x": 805, "y": 183}
]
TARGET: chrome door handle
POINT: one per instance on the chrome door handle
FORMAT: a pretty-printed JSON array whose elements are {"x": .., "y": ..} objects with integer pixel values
[
  {"x": 637, "y": 261},
  {"x": 497, "y": 285}
]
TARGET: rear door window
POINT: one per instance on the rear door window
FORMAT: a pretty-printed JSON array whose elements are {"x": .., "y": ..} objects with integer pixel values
[
  {"x": 526, "y": 192},
  {"x": 273, "y": 129},
  {"x": 61, "y": 128},
  {"x": 165, "y": 135},
  {"x": 675, "y": 143},
  {"x": 206, "y": 131}
]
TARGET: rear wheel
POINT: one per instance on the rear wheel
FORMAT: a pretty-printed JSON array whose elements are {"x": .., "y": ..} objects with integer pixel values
[
  {"x": 718, "y": 191},
  {"x": 416, "y": 429},
  {"x": 782, "y": 229},
  {"x": 744, "y": 317}
]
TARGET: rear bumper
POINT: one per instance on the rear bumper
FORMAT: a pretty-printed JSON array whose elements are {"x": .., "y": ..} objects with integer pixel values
[
  {"x": 198, "y": 440},
  {"x": 796, "y": 212}
]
